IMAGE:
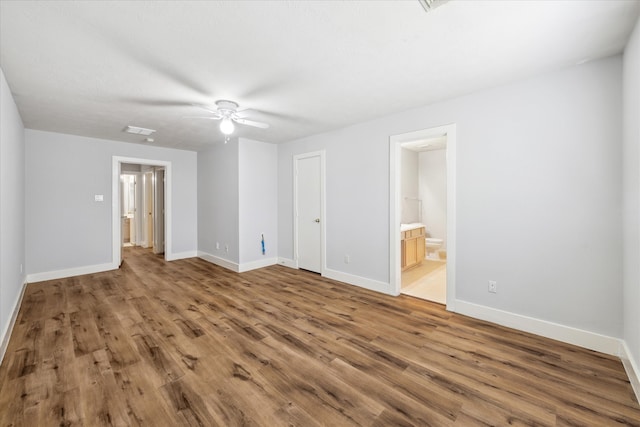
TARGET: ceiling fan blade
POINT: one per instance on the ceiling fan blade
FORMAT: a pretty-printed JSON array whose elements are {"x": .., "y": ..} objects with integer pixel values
[
  {"x": 252, "y": 123},
  {"x": 153, "y": 102},
  {"x": 241, "y": 114},
  {"x": 201, "y": 117},
  {"x": 204, "y": 107}
]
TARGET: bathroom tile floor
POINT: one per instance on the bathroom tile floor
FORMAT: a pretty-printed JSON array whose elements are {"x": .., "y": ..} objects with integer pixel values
[{"x": 427, "y": 281}]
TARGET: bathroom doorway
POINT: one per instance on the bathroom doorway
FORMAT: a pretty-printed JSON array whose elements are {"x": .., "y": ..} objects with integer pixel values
[
  {"x": 142, "y": 206},
  {"x": 142, "y": 215},
  {"x": 422, "y": 220}
]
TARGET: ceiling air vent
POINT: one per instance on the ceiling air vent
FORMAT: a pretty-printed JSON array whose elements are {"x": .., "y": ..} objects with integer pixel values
[
  {"x": 428, "y": 5},
  {"x": 139, "y": 131}
]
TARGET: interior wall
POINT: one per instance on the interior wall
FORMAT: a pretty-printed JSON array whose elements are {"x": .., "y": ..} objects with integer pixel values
[
  {"x": 409, "y": 187},
  {"x": 258, "y": 200},
  {"x": 218, "y": 201},
  {"x": 65, "y": 227},
  {"x": 12, "y": 207},
  {"x": 433, "y": 192},
  {"x": 238, "y": 202},
  {"x": 357, "y": 197},
  {"x": 631, "y": 205},
  {"x": 538, "y": 195}
]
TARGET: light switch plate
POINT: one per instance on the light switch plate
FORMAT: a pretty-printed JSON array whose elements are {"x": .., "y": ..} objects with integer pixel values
[{"x": 99, "y": 198}]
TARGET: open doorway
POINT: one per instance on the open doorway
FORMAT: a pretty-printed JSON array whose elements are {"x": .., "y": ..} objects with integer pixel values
[
  {"x": 422, "y": 214},
  {"x": 141, "y": 210},
  {"x": 142, "y": 206}
]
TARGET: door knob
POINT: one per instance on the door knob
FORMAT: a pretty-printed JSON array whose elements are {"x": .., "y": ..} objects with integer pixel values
[{"x": 316, "y": 220}]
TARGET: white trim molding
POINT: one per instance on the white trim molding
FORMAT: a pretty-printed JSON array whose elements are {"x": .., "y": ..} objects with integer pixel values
[
  {"x": 115, "y": 204},
  {"x": 254, "y": 265},
  {"x": 224, "y": 263},
  {"x": 6, "y": 334},
  {"x": 181, "y": 255},
  {"x": 233, "y": 266},
  {"x": 286, "y": 262},
  {"x": 323, "y": 212},
  {"x": 70, "y": 272},
  {"x": 633, "y": 371},
  {"x": 362, "y": 282},
  {"x": 566, "y": 334},
  {"x": 395, "y": 147}
]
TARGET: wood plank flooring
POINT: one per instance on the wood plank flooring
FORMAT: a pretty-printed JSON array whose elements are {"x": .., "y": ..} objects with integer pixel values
[{"x": 189, "y": 343}]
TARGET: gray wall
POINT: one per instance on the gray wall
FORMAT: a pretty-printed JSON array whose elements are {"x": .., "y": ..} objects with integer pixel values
[
  {"x": 433, "y": 192},
  {"x": 12, "y": 222},
  {"x": 538, "y": 195},
  {"x": 631, "y": 208},
  {"x": 66, "y": 228},
  {"x": 409, "y": 186},
  {"x": 218, "y": 200},
  {"x": 258, "y": 200},
  {"x": 237, "y": 201}
]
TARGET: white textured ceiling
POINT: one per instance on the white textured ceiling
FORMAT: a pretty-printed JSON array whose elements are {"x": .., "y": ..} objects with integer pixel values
[{"x": 92, "y": 68}]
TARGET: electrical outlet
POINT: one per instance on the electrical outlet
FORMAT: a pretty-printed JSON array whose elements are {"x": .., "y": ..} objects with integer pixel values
[
  {"x": 217, "y": 245},
  {"x": 347, "y": 259},
  {"x": 493, "y": 286},
  {"x": 226, "y": 248}
]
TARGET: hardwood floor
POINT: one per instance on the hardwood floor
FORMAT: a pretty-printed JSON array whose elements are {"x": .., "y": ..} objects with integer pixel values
[{"x": 189, "y": 343}]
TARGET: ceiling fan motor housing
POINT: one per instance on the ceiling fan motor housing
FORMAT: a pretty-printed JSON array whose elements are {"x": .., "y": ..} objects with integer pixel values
[{"x": 224, "y": 105}]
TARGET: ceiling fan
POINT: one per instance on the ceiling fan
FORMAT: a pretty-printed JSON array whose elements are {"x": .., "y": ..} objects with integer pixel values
[{"x": 229, "y": 112}]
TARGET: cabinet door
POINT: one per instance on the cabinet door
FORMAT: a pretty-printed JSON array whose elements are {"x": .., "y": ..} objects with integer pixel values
[
  {"x": 420, "y": 249},
  {"x": 412, "y": 254}
]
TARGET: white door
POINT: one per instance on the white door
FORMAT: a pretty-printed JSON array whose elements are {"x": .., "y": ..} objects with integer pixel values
[
  {"x": 158, "y": 234},
  {"x": 309, "y": 212}
]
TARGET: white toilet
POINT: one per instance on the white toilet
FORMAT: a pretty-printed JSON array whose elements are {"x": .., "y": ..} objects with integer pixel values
[{"x": 433, "y": 248}]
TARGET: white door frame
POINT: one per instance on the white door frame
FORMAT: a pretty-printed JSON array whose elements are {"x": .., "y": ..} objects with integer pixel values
[
  {"x": 395, "y": 212},
  {"x": 159, "y": 241},
  {"x": 115, "y": 204},
  {"x": 146, "y": 177},
  {"x": 323, "y": 227}
]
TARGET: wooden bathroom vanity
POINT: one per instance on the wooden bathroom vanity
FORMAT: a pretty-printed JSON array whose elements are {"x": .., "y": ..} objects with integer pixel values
[{"x": 412, "y": 246}]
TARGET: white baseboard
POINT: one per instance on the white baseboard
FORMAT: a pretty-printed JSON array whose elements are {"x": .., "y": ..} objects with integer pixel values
[
  {"x": 631, "y": 367},
  {"x": 229, "y": 265},
  {"x": 287, "y": 262},
  {"x": 254, "y": 265},
  {"x": 182, "y": 255},
  {"x": 233, "y": 266},
  {"x": 6, "y": 334},
  {"x": 567, "y": 334},
  {"x": 363, "y": 282},
  {"x": 70, "y": 272}
]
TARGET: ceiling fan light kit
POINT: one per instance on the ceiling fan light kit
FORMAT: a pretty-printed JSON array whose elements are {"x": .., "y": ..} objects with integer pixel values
[
  {"x": 226, "y": 126},
  {"x": 228, "y": 112}
]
